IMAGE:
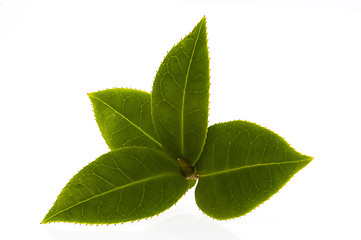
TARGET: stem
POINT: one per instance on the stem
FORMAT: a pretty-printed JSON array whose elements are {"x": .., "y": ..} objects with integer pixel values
[{"x": 188, "y": 171}]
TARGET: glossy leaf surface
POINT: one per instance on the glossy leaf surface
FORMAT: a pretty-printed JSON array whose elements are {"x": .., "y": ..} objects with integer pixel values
[
  {"x": 124, "y": 118},
  {"x": 242, "y": 165},
  {"x": 123, "y": 185},
  {"x": 180, "y": 96}
]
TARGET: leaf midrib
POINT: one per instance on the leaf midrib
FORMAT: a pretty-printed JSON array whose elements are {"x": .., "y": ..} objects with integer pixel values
[
  {"x": 251, "y": 166},
  {"x": 185, "y": 87},
  {"x": 46, "y": 220},
  {"x": 136, "y": 126}
]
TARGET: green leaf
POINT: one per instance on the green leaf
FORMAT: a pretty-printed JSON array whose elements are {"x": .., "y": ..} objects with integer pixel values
[
  {"x": 242, "y": 165},
  {"x": 192, "y": 182},
  {"x": 180, "y": 96},
  {"x": 123, "y": 185},
  {"x": 124, "y": 118}
]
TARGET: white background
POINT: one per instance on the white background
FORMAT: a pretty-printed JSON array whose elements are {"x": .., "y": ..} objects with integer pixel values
[{"x": 291, "y": 66}]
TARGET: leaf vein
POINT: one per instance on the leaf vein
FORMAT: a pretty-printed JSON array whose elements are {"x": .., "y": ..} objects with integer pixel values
[
  {"x": 136, "y": 126},
  {"x": 109, "y": 191},
  {"x": 184, "y": 90},
  {"x": 250, "y": 166}
]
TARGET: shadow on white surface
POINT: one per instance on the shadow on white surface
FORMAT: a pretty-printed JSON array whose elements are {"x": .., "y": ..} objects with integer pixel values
[{"x": 179, "y": 227}]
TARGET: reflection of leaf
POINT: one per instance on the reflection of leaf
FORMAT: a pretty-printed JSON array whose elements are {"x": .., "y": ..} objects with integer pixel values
[
  {"x": 123, "y": 185},
  {"x": 241, "y": 166},
  {"x": 123, "y": 116},
  {"x": 180, "y": 96}
]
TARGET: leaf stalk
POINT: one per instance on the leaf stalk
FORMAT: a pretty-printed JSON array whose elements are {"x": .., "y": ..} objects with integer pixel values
[{"x": 187, "y": 171}]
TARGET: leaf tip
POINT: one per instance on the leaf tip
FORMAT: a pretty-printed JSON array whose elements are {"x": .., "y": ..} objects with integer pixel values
[
  {"x": 308, "y": 158},
  {"x": 44, "y": 221},
  {"x": 90, "y": 95}
]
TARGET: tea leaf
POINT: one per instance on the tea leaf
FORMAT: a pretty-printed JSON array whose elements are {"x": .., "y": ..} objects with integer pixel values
[
  {"x": 242, "y": 165},
  {"x": 124, "y": 118},
  {"x": 123, "y": 185},
  {"x": 180, "y": 96},
  {"x": 238, "y": 164},
  {"x": 192, "y": 182}
]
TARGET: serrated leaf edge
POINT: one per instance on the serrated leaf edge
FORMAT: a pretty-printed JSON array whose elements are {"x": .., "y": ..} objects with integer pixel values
[
  {"x": 186, "y": 82},
  {"x": 91, "y": 96},
  {"x": 46, "y": 220},
  {"x": 309, "y": 159}
]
